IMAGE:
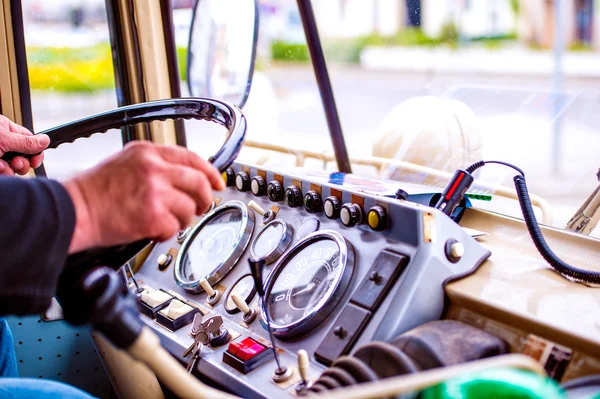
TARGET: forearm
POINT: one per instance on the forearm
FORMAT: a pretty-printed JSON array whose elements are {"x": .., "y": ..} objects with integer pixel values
[{"x": 37, "y": 220}]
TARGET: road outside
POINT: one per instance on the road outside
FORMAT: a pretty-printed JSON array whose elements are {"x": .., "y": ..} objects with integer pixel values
[
  {"x": 516, "y": 117},
  {"x": 491, "y": 56}
]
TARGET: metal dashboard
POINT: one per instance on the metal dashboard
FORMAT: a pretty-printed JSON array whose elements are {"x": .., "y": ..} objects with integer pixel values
[{"x": 418, "y": 234}]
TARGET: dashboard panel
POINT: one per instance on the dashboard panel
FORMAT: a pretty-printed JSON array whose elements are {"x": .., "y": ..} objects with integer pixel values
[{"x": 343, "y": 266}]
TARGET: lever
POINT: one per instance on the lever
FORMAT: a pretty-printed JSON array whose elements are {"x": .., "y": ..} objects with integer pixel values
[
  {"x": 138, "y": 289},
  {"x": 213, "y": 295},
  {"x": 281, "y": 373},
  {"x": 249, "y": 313},
  {"x": 267, "y": 216},
  {"x": 303, "y": 369}
]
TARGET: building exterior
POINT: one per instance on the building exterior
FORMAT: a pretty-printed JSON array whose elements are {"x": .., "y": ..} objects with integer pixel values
[{"x": 579, "y": 19}]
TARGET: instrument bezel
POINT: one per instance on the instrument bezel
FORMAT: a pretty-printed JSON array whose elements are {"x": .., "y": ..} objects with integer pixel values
[
  {"x": 328, "y": 303},
  {"x": 230, "y": 260},
  {"x": 284, "y": 241}
]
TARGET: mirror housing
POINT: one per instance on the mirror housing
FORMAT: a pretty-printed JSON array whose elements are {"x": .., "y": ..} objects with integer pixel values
[{"x": 222, "y": 49}]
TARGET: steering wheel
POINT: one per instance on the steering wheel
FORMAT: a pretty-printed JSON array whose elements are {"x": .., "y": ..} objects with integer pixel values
[
  {"x": 207, "y": 109},
  {"x": 89, "y": 289}
]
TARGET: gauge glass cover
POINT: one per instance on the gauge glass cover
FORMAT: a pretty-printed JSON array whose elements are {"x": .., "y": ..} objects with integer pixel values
[
  {"x": 214, "y": 246},
  {"x": 272, "y": 241},
  {"x": 307, "y": 282}
]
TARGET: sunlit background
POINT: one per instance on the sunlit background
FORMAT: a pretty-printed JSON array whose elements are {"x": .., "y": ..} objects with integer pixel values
[{"x": 527, "y": 70}]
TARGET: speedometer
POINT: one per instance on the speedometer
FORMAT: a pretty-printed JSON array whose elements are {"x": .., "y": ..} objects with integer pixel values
[
  {"x": 214, "y": 246},
  {"x": 307, "y": 283}
]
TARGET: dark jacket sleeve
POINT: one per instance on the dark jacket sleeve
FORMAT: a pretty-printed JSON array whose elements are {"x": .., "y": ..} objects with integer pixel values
[{"x": 37, "y": 219}]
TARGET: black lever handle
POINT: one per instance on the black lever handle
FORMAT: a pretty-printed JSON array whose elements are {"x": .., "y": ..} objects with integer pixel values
[{"x": 256, "y": 269}]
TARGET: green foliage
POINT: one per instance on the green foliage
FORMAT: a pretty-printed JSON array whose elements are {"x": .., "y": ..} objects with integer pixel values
[
  {"x": 580, "y": 47},
  {"x": 290, "y": 52},
  {"x": 405, "y": 37},
  {"x": 71, "y": 70},
  {"x": 449, "y": 34},
  {"x": 182, "y": 62},
  {"x": 515, "y": 6},
  {"x": 78, "y": 70}
]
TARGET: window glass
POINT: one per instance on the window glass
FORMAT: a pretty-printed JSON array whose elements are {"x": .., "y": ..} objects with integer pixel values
[
  {"x": 71, "y": 76},
  {"x": 439, "y": 84}
]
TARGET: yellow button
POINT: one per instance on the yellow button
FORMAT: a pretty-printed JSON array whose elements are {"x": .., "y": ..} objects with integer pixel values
[
  {"x": 224, "y": 176},
  {"x": 373, "y": 219}
]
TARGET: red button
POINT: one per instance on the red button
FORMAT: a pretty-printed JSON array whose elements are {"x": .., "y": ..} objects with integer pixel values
[{"x": 246, "y": 349}]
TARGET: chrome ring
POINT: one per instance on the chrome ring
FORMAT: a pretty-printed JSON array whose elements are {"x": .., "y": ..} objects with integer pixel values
[
  {"x": 329, "y": 301},
  {"x": 229, "y": 261},
  {"x": 282, "y": 245}
]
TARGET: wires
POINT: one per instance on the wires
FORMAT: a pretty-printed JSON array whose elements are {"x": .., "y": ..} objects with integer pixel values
[{"x": 558, "y": 264}]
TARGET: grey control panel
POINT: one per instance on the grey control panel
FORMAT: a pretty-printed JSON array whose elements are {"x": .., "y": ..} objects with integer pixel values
[{"x": 342, "y": 268}]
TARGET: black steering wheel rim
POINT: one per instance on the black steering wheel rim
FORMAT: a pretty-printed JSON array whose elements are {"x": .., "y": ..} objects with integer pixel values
[
  {"x": 217, "y": 111},
  {"x": 198, "y": 108}
]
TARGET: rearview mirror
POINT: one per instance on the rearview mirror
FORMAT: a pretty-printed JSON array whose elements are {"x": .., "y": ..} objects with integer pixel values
[{"x": 222, "y": 48}]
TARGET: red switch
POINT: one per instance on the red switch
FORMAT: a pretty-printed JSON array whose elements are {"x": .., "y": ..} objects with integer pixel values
[{"x": 245, "y": 349}]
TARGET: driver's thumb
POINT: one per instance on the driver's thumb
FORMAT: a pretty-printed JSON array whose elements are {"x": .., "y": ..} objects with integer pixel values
[{"x": 26, "y": 144}]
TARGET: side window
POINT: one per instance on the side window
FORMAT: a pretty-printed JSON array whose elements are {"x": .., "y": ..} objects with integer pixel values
[{"x": 71, "y": 77}]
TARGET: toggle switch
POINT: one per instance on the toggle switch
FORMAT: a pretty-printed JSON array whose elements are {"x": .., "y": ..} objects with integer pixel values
[
  {"x": 153, "y": 301},
  {"x": 249, "y": 314},
  {"x": 213, "y": 295},
  {"x": 247, "y": 355},
  {"x": 267, "y": 216},
  {"x": 303, "y": 370},
  {"x": 176, "y": 315},
  {"x": 164, "y": 260}
]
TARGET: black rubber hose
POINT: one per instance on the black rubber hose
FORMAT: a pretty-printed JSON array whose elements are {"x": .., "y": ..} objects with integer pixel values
[{"x": 540, "y": 243}]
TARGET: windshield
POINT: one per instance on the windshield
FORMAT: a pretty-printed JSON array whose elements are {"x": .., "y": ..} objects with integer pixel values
[{"x": 441, "y": 85}]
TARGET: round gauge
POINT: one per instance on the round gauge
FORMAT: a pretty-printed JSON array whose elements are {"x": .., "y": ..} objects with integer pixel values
[
  {"x": 272, "y": 241},
  {"x": 307, "y": 283},
  {"x": 244, "y": 287},
  {"x": 214, "y": 246}
]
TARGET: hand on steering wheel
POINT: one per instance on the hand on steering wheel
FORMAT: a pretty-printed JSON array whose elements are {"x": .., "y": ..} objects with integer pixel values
[{"x": 216, "y": 111}]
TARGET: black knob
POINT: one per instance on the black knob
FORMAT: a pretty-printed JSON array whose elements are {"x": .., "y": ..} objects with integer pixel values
[
  {"x": 229, "y": 177},
  {"x": 312, "y": 202},
  {"x": 293, "y": 196},
  {"x": 351, "y": 215},
  {"x": 275, "y": 191},
  {"x": 339, "y": 332},
  {"x": 242, "y": 181},
  {"x": 377, "y": 218},
  {"x": 401, "y": 194},
  {"x": 258, "y": 186},
  {"x": 332, "y": 206}
]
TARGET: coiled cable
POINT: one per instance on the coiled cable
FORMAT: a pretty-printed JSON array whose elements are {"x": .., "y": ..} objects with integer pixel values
[{"x": 539, "y": 241}]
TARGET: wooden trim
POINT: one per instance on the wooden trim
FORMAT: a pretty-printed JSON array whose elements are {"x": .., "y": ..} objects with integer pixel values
[
  {"x": 155, "y": 69},
  {"x": 7, "y": 67}
]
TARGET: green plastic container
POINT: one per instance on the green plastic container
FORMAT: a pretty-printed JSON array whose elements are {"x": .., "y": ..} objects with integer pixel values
[{"x": 498, "y": 384}]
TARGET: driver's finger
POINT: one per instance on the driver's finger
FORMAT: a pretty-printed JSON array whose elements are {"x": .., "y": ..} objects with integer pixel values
[
  {"x": 36, "y": 160},
  {"x": 15, "y": 128},
  {"x": 194, "y": 183},
  {"x": 5, "y": 169},
  {"x": 20, "y": 165},
  {"x": 183, "y": 207},
  {"x": 170, "y": 226},
  {"x": 25, "y": 144},
  {"x": 180, "y": 155}
]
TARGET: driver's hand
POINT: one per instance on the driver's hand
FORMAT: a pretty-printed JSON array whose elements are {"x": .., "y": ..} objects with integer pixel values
[
  {"x": 145, "y": 191},
  {"x": 18, "y": 139}
]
